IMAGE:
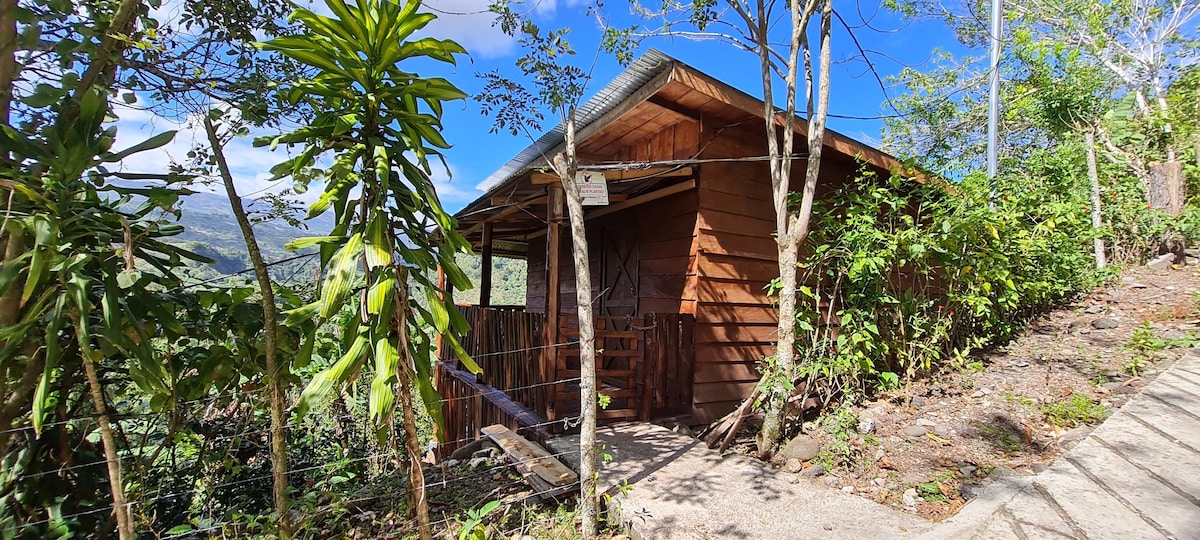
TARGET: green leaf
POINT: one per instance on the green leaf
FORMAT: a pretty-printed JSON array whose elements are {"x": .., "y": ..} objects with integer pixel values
[
  {"x": 149, "y": 144},
  {"x": 342, "y": 272},
  {"x": 378, "y": 248},
  {"x": 337, "y": 374},
  {"x": 310, "y": 241}
]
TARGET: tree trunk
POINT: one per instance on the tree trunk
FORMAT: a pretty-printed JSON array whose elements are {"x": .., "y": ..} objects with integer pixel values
[
  {"x": 793, "y": 226},
  {"x": 8, "y": 59},
  {"x": 566, "y": 167},
  {"x": 1094, "y": 178},
  {"x": 275, "y": 372},
  {"x": 120, "y": 507},
  {"x": 412, "y": 444}
]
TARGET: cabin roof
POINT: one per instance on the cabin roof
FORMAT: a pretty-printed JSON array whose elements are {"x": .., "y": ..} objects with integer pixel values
[{"x": 654, "y": 93}]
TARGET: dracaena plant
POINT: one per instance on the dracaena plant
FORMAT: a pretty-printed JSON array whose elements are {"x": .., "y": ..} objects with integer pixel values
[{"x": 377, "y": 126}]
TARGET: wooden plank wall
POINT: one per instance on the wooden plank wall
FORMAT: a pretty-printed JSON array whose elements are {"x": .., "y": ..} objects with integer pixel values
[{"x": 736, "y": 257}]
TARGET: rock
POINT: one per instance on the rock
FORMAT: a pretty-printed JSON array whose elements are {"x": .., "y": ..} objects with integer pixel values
[
  {"x": 1173, "y": 335},
  {"x": 452, "y": 462},
  {"x": 1161, "y": 262},
  {"x": 1105, "y": 323},
  {"x": 1137, "y": 285},
  {"x": 470, "y": 448},
  {"x": 801, "y": 447},
  {"x": 848, "y": 489},
  {"x": 915, "y": 431},
  {"x": 1020, "y": 364},
  {"x": 910, "y": 497},
  {"x": 475, "y": 463},
  {"x": 793, "y": 465},
  {"x": 1000, "y": 471},
  {"x": 833, "y": 481},
  {"x": 917, "y": 402},
  {"x": 1039, "y": 468},
  {"x": 866, "y": 425},
  {"x": 925, "y": 423},
  {"x": 814, "y": 471},
  {"x": 943, "y": 432},
  {"x": 1093, "y": 310},
  {"x": 977, "y": 394},
  {"x": 970, "y": 491},
  {"x": 1079, "y": 324},
  {"x": 880, "y": 482}
]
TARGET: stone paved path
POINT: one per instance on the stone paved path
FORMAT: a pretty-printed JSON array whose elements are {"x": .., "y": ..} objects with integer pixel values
[{"x": 1135, "y": 476}]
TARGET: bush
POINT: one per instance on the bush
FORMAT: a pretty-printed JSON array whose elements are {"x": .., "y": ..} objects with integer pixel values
[{"x": 908, "y": 278}]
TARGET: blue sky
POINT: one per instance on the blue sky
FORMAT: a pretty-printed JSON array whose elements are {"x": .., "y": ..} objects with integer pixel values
[{"x": 893, "y": 42}]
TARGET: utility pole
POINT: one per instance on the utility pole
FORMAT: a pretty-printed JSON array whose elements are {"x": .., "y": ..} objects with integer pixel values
[{"x": 994, "y": 101}]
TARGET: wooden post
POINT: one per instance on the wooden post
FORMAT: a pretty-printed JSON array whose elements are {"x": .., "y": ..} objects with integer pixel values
[
  {"x": 554, "y": 220},
  {"x": 485, "y": 278}
]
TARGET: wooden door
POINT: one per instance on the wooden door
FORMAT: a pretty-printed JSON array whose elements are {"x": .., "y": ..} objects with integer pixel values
[{"x": 618, "y": 270}]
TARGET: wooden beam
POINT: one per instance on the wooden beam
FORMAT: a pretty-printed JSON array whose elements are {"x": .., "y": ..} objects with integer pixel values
[
  {"x": 485, "y": 277},
  {"x": 549, "y": 358},
  {"x": 515, "y": 207},
  {"x": 617, "y": 175},
  {"x": 736, "y": 98},
  {"x": 641, "y": 199}
]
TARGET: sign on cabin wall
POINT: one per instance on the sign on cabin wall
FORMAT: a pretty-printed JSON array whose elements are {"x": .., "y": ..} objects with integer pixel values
[{"x": 592, "y": 188}]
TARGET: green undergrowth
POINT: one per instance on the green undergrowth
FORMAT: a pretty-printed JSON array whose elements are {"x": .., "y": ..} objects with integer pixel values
[{"x": 1074, "y": 410}]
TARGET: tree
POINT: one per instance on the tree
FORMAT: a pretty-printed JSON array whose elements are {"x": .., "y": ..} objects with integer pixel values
[
  {"x": 754, "y": 21},
  {"x": 560, "y": 87},
  {"x": 381, "y": 123}
]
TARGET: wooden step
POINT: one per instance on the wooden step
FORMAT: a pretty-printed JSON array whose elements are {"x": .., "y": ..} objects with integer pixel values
[{"x": 546, "y": 474}]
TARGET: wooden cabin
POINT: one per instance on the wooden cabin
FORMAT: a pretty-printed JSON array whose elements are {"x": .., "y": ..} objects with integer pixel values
[{"x": 679, "y": 258}]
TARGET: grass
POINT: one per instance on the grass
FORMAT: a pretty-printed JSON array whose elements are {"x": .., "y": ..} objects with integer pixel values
[{"x": 1074, "y": 410}]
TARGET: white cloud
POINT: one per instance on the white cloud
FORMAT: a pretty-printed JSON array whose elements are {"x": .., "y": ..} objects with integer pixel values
[
  {"x": 469, "y": 23},
  {"x": 249, "y": 165}
]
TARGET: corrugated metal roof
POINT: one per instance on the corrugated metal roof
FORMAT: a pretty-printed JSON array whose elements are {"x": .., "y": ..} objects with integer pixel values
[{"x": 640, "y": 72}]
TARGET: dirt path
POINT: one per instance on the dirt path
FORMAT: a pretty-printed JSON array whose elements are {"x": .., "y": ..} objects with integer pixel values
[{"x": 1013, "y": 411}]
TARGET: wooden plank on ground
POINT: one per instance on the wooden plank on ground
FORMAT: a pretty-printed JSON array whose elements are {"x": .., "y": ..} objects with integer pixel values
[{"x": 533, "y": 461}]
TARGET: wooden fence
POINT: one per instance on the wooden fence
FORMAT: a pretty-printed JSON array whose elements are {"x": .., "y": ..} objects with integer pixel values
[
  {"x": 669, "y": 364},
  {"x": 506, "y": 342},
  {"x": 644, "y": 367},
  {"x": 469, "y": 405}
]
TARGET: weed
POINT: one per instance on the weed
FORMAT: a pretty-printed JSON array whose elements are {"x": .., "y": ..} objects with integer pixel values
[
  {"x": 1134, "y": 366},
  {"x": 1144, "y": 341},
  {"x": 1074, "y": 410},
  {"x": 935, "y": 490},
  {"x": 473, "y": 528},
  {"x": 1016, "y": 398},
  {"x": 1002, "y": 437}
]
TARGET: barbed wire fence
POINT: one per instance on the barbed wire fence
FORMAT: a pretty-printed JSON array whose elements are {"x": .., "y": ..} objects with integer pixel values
[{"x": 231, "y": 455}]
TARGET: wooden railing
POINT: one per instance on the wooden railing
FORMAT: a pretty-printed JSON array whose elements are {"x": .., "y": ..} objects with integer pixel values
[
  {"x": 644, "y": 366},
  {"x": 506, "y": 342},
  {"x": 469, "y": 405}
]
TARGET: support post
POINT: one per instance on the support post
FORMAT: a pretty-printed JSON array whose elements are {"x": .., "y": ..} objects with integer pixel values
[
  {"x": 554, "y": 219},
  {"x": 485, "y": 276}
]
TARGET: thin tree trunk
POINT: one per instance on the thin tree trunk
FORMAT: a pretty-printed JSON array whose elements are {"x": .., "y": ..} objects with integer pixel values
[
  {"x": 275, "y": 372},
  {"x": 120, "y": 506},
  {"x": 8, "y": 59},
  {"x": 793, "y": 226},
  {"x": 566, "y": 166},
  {"x": 412, "y": 445},
  {"x": 1094, "y": 178}
]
